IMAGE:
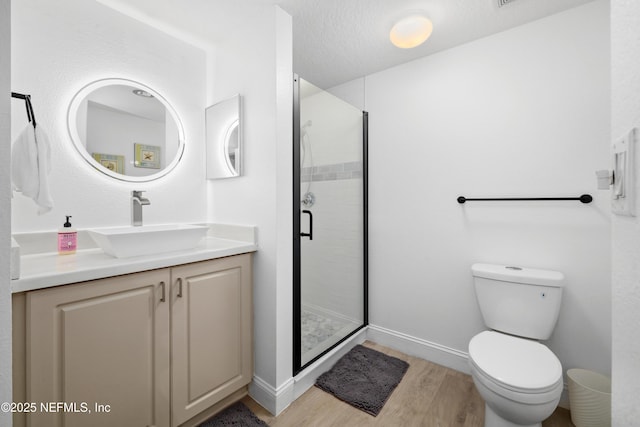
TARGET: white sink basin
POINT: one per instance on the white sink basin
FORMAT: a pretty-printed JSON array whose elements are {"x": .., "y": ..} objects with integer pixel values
[{"x": 123, "y": 242}]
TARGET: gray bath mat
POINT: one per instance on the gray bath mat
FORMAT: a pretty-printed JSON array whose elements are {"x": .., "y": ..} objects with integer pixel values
[
  {"x": 235, "y": 415},
  {"x": 364, "y": 378}
]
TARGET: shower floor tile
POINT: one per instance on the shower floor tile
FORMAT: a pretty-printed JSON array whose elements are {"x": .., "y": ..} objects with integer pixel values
[
  {"x": 320, "y": 331},
  {"x": 317, "y": 328}
]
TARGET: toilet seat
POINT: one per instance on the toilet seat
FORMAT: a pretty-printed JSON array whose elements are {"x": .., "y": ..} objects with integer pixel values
[{"x": 522, "y": 366}]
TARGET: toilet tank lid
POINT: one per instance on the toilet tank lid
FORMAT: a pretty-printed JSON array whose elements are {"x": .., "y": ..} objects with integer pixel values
[{"x": 508, "y": 273}]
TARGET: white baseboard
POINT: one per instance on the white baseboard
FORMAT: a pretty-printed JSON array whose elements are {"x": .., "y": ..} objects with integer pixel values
[
  {"x": 272, "y": 399},
  {"x": 436, "y": 353},
  {"x": 277, "y": 400},
  {"x": 433, "y": 352}
]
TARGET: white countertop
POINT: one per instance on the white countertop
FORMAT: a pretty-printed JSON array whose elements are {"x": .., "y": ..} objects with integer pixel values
[{"x": 43, "y": 270}]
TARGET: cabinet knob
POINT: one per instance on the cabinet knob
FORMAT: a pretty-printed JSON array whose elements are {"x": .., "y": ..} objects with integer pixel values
[{"x": 163, "y": 297}]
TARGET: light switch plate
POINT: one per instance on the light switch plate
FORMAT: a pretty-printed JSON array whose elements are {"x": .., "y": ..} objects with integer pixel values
[{"x": 624, "y": 165}]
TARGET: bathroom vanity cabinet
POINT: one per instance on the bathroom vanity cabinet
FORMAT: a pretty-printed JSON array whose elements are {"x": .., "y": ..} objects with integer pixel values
[{"x": 162, "y": 348}]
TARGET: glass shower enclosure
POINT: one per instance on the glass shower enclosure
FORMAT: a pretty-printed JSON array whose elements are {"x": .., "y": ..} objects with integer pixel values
[{"x": 330, "y": 222}]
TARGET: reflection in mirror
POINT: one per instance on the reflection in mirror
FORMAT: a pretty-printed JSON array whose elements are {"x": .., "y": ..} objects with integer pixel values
[
  {"x": 224, "y": 139},
  {"x": 125, "y": 130}
]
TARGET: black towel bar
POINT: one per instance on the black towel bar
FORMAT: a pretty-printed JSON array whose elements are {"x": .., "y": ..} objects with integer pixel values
[{"x": 585, "y": 198}]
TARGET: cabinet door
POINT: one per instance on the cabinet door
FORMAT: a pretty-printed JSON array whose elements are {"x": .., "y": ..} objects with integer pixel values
[
  {"x": 211, "y": 328},
  {"x": 104, "y": 342}
]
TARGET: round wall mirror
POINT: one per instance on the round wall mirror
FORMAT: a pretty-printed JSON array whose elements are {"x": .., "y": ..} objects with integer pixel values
[{"x": 126, "y": 130}]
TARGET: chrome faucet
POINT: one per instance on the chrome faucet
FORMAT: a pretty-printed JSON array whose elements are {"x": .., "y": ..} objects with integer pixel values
[{"x": 137, "y": 201}]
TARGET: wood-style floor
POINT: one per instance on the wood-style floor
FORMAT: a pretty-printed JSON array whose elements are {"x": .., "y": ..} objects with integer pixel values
[{"x": 429, "y": 395}]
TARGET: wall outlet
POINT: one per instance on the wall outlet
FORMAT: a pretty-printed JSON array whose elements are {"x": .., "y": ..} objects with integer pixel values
[{"x": 624, "y": 165}]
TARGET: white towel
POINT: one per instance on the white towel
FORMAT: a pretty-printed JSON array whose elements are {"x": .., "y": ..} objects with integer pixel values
[{"x": 30, "y": 166}]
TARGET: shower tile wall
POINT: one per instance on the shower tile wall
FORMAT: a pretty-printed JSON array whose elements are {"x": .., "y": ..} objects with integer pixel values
[
  {"x": 347, "y": 170},
  {"x": 332, "y": 261}
]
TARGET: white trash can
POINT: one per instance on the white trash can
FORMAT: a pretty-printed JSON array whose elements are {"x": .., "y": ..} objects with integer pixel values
[{"x": 589, "y": 398}]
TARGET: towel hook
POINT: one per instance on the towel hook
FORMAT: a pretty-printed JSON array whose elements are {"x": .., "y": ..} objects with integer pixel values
[{"x": 27, "y": 101}]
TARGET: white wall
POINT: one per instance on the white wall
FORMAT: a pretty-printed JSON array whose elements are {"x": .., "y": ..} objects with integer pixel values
[
  {"x": 5, "y": 208},
  {"x": 57, "y": 48},
  {"x": 625, "y": 80},
  {"x": 256, "y": 62},
  {"x": 335, "y": 131},
  {"x": 353, "y": 92},
  {"x": 521, "y": 113}
]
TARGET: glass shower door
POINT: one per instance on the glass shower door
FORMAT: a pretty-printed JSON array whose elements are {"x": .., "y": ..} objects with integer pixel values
[{"x": 329, "y": 221}]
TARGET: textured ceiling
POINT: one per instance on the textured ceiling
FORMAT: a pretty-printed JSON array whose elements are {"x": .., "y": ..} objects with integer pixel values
[{"x": 339, "y": 40}]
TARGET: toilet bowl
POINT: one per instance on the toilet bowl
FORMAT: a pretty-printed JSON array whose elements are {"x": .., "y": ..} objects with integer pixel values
[{"x": 519, "y": 379}]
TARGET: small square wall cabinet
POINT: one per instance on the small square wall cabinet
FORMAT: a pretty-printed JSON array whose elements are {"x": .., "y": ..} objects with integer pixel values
[{"x": 624, "y": 165}]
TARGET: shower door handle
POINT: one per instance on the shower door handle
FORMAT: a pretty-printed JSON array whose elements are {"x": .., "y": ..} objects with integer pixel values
[{"x": 310, "y": 233}]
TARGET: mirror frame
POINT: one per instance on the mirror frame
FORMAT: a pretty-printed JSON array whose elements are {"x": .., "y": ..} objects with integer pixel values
[{"x": 81, "y": 148}]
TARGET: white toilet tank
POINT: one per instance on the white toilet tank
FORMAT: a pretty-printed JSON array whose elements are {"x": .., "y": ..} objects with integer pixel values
[{"x": 518, "y": 301}]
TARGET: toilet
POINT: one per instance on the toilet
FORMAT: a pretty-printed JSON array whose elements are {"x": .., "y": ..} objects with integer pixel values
[{"x": 519, "y": 378}]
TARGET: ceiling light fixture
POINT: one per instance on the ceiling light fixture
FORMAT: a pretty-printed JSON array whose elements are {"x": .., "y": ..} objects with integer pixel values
[{"x": 411, "y": 31}]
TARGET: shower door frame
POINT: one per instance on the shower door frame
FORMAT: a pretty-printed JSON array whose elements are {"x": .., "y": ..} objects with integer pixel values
[{"x": 297, "y": 245}]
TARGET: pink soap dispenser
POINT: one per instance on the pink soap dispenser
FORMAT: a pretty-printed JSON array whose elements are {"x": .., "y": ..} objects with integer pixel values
[{"x": 67, "y": 239}]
